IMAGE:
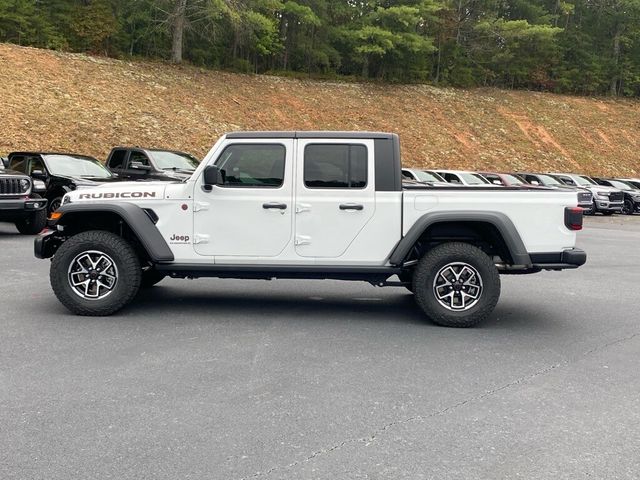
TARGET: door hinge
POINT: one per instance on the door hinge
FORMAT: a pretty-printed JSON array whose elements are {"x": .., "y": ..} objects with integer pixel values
[
  {"x": 200, "y": 238},
  {"x": 302, "y": 240},
  {"x": 197, "y": 206},
  {"x": 303, "y": 207}
]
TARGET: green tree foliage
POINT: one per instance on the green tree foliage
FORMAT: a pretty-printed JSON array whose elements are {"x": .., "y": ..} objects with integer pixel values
[{"x": 579, "y": 46}]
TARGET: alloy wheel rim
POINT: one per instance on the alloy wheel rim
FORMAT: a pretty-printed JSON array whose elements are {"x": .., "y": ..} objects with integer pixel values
[
  {"x": 92, "y": 275},
  {"x": 457, "y": 286}
]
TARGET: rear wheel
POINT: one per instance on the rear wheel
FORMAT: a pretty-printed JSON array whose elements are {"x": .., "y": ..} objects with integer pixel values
[
  {"x": 456, "y": 285},
  {"x": 95, "y": 273}
]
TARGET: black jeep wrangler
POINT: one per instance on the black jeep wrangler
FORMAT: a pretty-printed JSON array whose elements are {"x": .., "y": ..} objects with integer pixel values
[{"x": 18, "y": 205}]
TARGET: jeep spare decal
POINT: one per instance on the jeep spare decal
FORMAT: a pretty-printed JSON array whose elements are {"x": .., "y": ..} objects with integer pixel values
[
  {"x": 175, "y": 238},
  {"x": 95, "y": 196}
]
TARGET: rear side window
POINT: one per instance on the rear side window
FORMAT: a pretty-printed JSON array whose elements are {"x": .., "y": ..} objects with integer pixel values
[
  {"x": 253, "y": 165},
  {"x": 18, "y": 163},
  {"x": 117, "y": 159},
  {"x": 335, "y": 166}
]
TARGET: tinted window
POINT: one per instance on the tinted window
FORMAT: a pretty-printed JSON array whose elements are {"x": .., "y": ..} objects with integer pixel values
[
  {"x": 451, "y": 178},
  {"x": 495, "y": 179},
  {"x": 138, "y": 157},
  {"x": 36, "y": 164},
  {"x": 335, "y": 166},
  {"x": 253, "y": 165},
  {"x": 117, "y": 159},
  {"x": 407, "y": 175},
  {"x": 18, "y": 163}
]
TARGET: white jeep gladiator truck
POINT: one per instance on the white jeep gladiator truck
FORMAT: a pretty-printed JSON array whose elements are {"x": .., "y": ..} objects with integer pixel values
[{"x": 308, "y": 205}]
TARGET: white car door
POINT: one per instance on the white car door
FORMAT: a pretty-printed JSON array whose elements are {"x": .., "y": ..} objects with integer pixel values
[
  {"x": 250, "y": 215},
  {"x": 335, "y": 195}
]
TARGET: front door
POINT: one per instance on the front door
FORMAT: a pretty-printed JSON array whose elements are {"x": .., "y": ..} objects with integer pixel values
[
  {"x": 335, "y": 195},
  {"x": 250, "y": 215}
]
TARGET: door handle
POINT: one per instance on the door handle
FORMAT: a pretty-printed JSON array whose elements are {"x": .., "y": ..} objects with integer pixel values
[
  {"x": 351, "y": 206},
  {"x": 278, "y": 206}
]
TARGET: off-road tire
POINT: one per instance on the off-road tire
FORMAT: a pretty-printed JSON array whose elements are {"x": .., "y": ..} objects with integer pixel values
[
  {"x": 628, "y": 207},
  {"x": 34, "y": 222},
  {"x": 54, "y": 204},
  {"x": 438, "y": 257},
  {"x": 150, "y": 277},
  {"x": 125, "y": 259}
]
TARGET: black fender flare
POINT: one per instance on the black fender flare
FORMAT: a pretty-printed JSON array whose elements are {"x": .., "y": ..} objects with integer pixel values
[
  {"x": 502, "y": 222},
  {"x": 134, "y": 216}
]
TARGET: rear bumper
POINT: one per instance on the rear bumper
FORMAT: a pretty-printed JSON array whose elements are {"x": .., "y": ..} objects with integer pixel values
[{"x": 572, "y": 258}]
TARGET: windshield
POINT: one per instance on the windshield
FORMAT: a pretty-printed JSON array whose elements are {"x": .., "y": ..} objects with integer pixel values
[
  {"x": 621, "y": 185},
  {"x": 427, "y": 176},
  {"x": 174, "y": 160},
  {"x": 548, "y": 180},
  {"x": 513, "y": 179},
  {"x": 473, "y": 179},
  {"x": 584, "y": 181},
  {"x": 68, "y": 166}
]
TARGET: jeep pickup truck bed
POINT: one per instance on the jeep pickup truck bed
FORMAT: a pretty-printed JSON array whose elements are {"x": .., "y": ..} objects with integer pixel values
[{"x": 308, "y": 205}]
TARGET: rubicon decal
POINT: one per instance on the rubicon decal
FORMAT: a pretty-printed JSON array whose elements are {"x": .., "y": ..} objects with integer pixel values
[
  {"x": 175, "y": 238},
  {"x": 93, "y": 196}
]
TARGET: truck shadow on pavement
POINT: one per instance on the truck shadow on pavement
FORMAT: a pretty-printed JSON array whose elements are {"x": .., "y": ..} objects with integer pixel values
[{"x": 367, "y": 305}]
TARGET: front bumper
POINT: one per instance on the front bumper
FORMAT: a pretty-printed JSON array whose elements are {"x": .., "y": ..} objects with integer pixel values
[
  {"x": 21, "y": 207},
  {"x": 606, "y": 205},
  {"x": 46, "y": 244}
]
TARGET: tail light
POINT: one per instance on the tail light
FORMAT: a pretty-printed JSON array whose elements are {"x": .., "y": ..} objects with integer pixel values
[{"x": 573, "y": 218}]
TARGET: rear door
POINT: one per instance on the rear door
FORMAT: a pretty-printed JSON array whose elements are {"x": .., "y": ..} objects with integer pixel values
[{"x": 335, "y": 195}]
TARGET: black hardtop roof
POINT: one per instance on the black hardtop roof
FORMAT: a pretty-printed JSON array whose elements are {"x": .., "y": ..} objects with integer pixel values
[
  {"x": 69, "y": 154},
  {"x": 311, "y": 134}
]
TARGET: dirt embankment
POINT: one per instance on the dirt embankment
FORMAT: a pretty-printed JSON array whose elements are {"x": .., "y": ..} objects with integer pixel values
[{"x": 57, "y": 101}]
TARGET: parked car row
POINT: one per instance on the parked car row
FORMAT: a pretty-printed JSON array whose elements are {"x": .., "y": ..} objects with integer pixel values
[
  {"x": 594, "y": 194},
  {"x": 54, "y": 174}
]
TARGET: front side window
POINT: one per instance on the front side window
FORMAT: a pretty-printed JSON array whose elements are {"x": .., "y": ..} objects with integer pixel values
[
  {"x": 335, "y": 166},
  {"x": 253, "y": 165},
  {"x": 138, "y": 158}
]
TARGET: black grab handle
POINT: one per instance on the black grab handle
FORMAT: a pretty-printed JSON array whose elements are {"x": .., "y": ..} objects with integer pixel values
[
  {"x": 279, "y": 206},
  {"x": 351, "y": 206}
]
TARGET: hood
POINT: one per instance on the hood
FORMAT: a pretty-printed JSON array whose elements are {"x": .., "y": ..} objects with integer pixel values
[
  {"x": 119, "y": 191},
  {"x": 89, "y": 180},
  {"x": 602, "y": 188}
]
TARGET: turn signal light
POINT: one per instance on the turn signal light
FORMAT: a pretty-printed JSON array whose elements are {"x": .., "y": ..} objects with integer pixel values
[{"x": 55, "y": 215}]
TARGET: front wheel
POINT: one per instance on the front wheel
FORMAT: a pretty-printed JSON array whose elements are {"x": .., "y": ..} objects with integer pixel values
[
  {"x": 628, "y": 207},
  {"x": 456, "y": 285},
  {"x": 54, "y": 204},
  {"x": 34, "y": 222},
  {"x": 95, "y": 273}
]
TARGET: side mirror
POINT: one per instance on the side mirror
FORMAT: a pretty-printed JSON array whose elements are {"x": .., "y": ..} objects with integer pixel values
[
  {"x": 140, "y": 166},
  {"x": 39, "y": 174},
  {"x": 535, "y": 182},
  {"x": 39, "y": 186},
  {"x": 213, "y": 175},
  {"x": 496, "y": 182}
]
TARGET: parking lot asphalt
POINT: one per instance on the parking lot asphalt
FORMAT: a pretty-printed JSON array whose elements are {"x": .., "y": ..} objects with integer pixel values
[{"x": 226, "y": 379}]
